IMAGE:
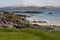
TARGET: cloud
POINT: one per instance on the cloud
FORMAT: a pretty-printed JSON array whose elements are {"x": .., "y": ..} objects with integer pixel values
[
  {"x": 41, "y": 2},
  {"x": 29, "y": 2}
]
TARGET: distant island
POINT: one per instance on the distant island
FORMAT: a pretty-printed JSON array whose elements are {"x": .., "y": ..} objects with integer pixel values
[{"x": 31, "y": 7}]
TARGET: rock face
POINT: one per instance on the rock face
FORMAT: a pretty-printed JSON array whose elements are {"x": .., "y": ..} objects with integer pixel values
[{"x": 11, "y": 20}]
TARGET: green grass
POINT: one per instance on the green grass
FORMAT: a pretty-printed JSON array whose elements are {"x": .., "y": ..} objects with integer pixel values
[{"x": 28, "y": 34}]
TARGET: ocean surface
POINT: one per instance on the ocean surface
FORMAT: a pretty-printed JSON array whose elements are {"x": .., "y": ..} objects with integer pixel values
[{"x": 53, "y": 18}]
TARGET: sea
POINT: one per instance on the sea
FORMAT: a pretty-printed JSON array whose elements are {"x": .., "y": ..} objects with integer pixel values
[{"x": 53, "y": 18}]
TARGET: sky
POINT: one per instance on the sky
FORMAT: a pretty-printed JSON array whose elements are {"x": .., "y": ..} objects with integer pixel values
[{"x": 5, "y": 3}]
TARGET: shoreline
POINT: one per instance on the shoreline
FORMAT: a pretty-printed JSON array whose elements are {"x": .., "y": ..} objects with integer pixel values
[
  {"x": 21, "y": 21},
  {"x": 44, "y": 24},
  {"x": 49, "y": 21}
]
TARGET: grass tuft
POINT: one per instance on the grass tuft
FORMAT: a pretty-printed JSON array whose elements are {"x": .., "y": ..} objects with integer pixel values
[{"x": 28, "y": 34}]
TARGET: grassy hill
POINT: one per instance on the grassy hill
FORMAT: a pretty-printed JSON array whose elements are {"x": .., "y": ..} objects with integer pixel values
[{"x": 28, "y": 34}]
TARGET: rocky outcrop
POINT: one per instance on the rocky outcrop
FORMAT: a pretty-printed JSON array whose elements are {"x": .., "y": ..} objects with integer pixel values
[{"x": 12, "y": 20}]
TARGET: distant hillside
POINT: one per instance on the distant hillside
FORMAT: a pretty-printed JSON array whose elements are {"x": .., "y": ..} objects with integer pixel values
[{"x": 30, "y": 7}]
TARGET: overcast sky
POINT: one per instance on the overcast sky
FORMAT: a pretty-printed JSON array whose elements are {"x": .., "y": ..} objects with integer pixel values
[{"x": 29, "y": 3}]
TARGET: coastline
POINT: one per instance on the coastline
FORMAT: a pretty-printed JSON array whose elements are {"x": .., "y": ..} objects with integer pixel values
[
  {"x": 49, "y": 22},
  {"x": 23, "y": 21}
]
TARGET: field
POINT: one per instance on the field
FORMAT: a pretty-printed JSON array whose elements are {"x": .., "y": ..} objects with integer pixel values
[{"x": 28, "y": 34}]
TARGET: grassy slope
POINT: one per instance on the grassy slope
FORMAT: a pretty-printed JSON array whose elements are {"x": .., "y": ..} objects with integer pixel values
[{"x": 28, "y": 34}]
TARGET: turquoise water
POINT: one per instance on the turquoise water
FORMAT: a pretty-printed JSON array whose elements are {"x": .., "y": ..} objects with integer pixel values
[{"x": 54, "y": 17}]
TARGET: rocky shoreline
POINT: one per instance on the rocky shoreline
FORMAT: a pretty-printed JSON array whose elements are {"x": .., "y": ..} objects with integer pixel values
[
  {"x": 11, "y": 20},
  {"x": 43, "y": 25}
]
